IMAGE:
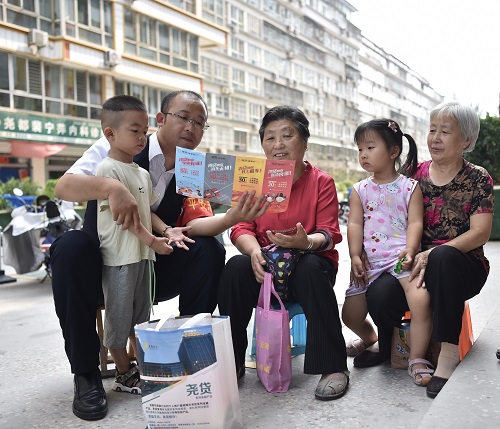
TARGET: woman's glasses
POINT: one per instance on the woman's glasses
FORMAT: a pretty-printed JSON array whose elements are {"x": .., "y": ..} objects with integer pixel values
[{"x": 201, "y": 125}]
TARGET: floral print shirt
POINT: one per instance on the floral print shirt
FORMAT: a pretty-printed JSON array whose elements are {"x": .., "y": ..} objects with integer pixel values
[{"x": 448, "y": 208}]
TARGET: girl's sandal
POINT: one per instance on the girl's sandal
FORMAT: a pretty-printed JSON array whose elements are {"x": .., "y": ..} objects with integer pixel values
[
  {"x": 421, "y": 376},
  {"x": 355, "y": 347}
]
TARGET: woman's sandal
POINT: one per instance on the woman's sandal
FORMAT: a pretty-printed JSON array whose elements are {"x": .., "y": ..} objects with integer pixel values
[
  {"x": 354, "y": 347},
  {"x": 421, "y": 376}
]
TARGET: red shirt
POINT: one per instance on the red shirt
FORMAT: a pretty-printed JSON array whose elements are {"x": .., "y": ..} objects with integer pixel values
[{"x": 313, "y": 203}]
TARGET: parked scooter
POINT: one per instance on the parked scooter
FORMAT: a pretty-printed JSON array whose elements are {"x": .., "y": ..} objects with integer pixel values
[
  {"x": 33, "y": 228},
  {"x": 344, "y": 212},
  {"x": 344, "y": 208}
]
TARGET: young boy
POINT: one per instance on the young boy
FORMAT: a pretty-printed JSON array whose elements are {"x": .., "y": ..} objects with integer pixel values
[{"x": 127, "y": 254}]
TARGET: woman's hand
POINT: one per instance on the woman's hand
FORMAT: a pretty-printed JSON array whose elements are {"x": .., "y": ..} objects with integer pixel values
[
  {"x": 258, "y": 262},
  {"x": 419, "y": 266},
  {"x": 299, "y": 240},
  {"x": 247, "y": 209}
]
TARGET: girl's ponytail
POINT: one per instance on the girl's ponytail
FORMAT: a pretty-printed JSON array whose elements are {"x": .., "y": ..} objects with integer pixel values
[{"x": 409, "y": 167}]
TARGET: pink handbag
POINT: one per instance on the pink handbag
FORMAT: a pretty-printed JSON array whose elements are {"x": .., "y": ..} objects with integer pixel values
[{"x": 272, "y": 336}]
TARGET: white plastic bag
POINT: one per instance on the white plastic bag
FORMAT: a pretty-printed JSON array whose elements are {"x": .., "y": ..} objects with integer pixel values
[{"x": 188, "y": 374}]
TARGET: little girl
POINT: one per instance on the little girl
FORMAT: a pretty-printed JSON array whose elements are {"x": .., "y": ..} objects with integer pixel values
[{"x": 386, "y": 224}]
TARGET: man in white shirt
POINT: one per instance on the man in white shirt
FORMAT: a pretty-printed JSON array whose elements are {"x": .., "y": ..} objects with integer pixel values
[{"x": 191, "y": 271}]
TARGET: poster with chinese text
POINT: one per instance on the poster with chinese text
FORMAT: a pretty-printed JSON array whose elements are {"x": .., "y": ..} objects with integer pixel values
[{"x": 223, "y": 179}]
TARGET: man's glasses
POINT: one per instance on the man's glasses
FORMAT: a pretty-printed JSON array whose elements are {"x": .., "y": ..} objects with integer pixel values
[{"x": 201, "y": 125}]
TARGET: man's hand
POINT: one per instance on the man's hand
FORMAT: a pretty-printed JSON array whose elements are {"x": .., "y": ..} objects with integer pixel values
[
  {"x": 177, "y": 237},
  {"x": 123, "y": 206}
]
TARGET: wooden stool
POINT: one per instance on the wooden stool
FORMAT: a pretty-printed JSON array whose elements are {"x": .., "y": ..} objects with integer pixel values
[{"x": 104, "y": 357}]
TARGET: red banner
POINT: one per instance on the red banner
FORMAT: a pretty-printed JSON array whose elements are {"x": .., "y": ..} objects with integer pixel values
[{"x": 23, "y": 149}]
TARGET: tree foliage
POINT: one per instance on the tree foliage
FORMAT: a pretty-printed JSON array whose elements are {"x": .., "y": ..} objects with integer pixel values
[{"x": 487, "y": 150}]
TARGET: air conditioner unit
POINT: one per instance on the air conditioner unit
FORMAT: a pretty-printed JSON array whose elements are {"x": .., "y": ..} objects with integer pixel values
[
  {"x": 112, "y": 58},
  {"x": 38, "y": 38}
]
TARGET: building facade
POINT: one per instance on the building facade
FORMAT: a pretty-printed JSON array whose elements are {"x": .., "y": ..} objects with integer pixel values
[{"x": 61, "y": 59}]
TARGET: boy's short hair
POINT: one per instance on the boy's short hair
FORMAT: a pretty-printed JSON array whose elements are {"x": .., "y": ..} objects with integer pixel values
[{"x": 113, "y": 106}]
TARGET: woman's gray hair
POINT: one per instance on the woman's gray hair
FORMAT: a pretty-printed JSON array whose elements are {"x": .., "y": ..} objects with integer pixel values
[{"x": 467, "y": 118}]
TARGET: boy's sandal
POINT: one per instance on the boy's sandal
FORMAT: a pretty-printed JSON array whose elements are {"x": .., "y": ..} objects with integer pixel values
[
  {"x": 421, "y": 376},
  {"x": 354, "y": 347},
  {"x": 129, "y": 382}
]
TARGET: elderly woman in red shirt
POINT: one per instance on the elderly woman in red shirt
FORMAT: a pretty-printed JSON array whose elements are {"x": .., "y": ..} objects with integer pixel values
[{"x": 309, "y": 223}]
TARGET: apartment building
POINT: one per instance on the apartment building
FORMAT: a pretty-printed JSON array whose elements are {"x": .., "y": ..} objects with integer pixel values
[{"x": 60, "y": 59}]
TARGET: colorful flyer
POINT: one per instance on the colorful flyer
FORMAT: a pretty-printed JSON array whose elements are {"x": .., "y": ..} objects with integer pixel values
[
  {"x": 189, "y": 172},
  {"x": 248, "y": 176},
  {"x": 277, "y": 185},
  {"x": 219, "y": 176},
  {"x": 223, "y": 179}
]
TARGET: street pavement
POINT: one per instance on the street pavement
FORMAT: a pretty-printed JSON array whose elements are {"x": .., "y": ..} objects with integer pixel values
[{"x": 36, "y": 385}]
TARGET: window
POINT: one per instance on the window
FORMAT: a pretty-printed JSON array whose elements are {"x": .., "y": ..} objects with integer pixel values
[
  {"x": 206, "y": 68},
  {"x": 254, "y": 113},
  {"x": 237, "y": 49},
  {"x": 4, "y": 79},
  {"x": 76, "y": 92},
  {"x": 239, "y": 109},
  {"x": 30, "y": 14},
  {"x": 222, "y": 106},
  {"x": 213, "y": 11},
  {"x": 338, "y": 131},
  {"x": 50, "y": 88},
  {"x": 240, "y": 141},
  {"x": 89, "y": 20},
  {"x": 254, "y": 25},
  {"x": 254, "y": 145},
  {"x": 237, "y": 18},
  {"x": 221, "y": 73},
  {"x": 238, "y": 79},
  {"x": 187, "y": 5},
  {"x": 283, "y": 94},
  {"x": 254, "y": 84},
  {"x": 153, "y": 40},
  {"x": 254, "y": 55},
  {"x": 223, "y": 138},
  {"x": 150, "y": 96}
]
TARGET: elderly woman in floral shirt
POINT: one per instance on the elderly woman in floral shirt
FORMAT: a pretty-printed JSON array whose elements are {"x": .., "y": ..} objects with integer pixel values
[{"x": 458, "y": 204}]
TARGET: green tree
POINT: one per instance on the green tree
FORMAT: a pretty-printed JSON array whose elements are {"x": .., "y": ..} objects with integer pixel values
[
  {"x": 487, "y": 150},
  {"x": 49, "y": 188}
]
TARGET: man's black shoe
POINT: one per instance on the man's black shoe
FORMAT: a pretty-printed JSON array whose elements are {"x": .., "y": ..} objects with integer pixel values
[
  {"x": 90, "y": 398},
  {"x": 367, "y": 358}
]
